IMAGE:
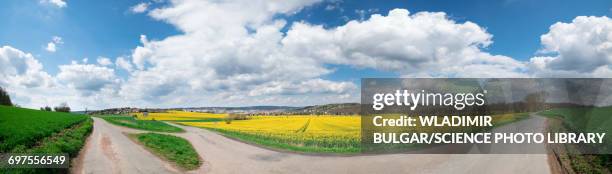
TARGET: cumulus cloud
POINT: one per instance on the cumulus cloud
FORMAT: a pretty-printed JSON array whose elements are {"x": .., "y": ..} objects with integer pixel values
[
  {"x": 241, "y": 55},
  {"x": 57, "y": 3},
  {"x": 30, "y": 86},
  {"x": 124, "y": 64},
  {"x": 140, "y": 7},
  {"x": 422, "y": 44},
  {"x": 87, "y": 78},
  {"x": 52, "y": 46},
  {"x": 581, "y": 48},
  {"x": 255, "y": 57},
  {"x": 249, "y": 56},
  {"x": 104, "y": 61},
  {"x": 21, "y": 69}
]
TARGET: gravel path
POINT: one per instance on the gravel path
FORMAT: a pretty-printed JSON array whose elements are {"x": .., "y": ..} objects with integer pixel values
[{"x": 224, "y": 155}]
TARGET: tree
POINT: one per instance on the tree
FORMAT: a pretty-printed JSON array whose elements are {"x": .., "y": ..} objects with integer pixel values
[
  {"x": 5, "y": 99},
  {"x": 63, "y": 107},
  {"x": 46, "y": 108}
]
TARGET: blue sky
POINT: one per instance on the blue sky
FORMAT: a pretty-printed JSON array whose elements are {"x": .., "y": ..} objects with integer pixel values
[{"x": 111, "y": 29}]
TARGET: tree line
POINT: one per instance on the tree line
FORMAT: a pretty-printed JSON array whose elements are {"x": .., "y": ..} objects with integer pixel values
[{"x": 5, "y": 100}]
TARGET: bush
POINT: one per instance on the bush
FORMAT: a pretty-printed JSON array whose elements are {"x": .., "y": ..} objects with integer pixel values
[
  {"x": 234, "y": 116},
  {"x": 5, "y": 99},
  {"x": 62, "y": 108}
]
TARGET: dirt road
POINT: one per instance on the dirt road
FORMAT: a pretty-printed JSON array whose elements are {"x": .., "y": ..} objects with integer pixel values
[
  {"x": 109, "y": 150},
  {"x": 224, "y": 155}
]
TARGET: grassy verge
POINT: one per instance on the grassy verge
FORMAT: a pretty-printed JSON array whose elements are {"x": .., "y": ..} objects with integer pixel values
[
  {"x": 201, "y": 120},
  {"x": 69, "y": 141},
  {"x": 308, "y": 146},
  {"x": 172, "y": 148},
  {"x": 507, "y": 119},
  {"x": 150, "y": 125},
  {"x": 582, "y": 119}
]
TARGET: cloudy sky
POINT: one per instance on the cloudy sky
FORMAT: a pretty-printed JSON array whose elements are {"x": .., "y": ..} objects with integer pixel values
[{"x": 179, "y": 53}]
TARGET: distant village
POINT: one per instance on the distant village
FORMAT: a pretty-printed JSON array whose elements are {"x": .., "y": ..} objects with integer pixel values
[{"x": 328, "y": 109}]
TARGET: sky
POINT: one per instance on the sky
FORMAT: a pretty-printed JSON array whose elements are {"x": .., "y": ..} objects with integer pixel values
[{"x": 183, "y": 53}]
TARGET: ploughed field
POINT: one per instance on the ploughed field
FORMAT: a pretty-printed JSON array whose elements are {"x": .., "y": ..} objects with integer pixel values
[{"x": 302, "y": 133}]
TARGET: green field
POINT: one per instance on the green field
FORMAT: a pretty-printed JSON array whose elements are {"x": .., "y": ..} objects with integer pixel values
[
  {"x": 585, "y": 119},
  {"x": 33, "y": 131},
  {"x": 24, "y": 128},
  {"x": 149, "y": 125},
  {"x": 172, "y": 148}
]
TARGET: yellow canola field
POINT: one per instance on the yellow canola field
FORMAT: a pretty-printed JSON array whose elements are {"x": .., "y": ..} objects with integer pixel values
[
  {"x": 325, "y": 125},
  {"x": 336, "y": 133},
  {"x": 178, "y": 115},
  {"x": 311, "y": 133}
]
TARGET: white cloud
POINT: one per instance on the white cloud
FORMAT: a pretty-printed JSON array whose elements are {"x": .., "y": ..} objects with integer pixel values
[
  {"x": 248, "y": 55},
  {"x": 140, "y": 7},
  {"x": 78, "y": 85},
  {"x": 57, "y": 3},
  {"x": 422, "y": 44},
  {"x": 52, "y": 46},
  {"x": 247, "y": 59},
  {"x": 220, "y": 55},
  {"x": 21, "y": 69},
  {"x": 582, "y": 48},
  {"x": 104, "y": 61},
  {"x": 306, "y": 87},
  {"x": 124, "y": 64},
  {"x": 87, "y": 78}
]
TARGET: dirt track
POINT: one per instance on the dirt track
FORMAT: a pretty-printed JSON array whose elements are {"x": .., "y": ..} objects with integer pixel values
[{"x": 224, "y": 155}]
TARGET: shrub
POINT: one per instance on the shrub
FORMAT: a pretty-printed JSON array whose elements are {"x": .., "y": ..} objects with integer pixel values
[
  {"x": 234, "y": 116},
  {"x": 5, "y": 99},
  {"x": 62, "y": 108}
]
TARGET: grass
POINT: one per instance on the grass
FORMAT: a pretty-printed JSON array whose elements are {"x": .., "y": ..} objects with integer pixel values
[
  {"x": 585, "y": 119},
  {"x": 24, "y": 128},
  {"x": 296, "y": 145},
  {"x": 149, "y": 125},
  {"x": 204, "y": 120},
  {"x": 180, "y": 115},
  {"x": 172, "y": 148},
  {"x": 58, "y": 133}
]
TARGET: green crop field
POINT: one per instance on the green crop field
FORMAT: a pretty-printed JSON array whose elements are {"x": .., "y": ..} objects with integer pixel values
[
  {"x": 25, "y": 127},
  {"x": 150, "y": 125},
  {"x": 586, "y": 119},
  {"x": 42, "y": 132}
]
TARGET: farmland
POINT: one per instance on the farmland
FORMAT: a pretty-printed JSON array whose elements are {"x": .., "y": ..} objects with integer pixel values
[
  {"x": 181, "y": 116},
  {"x": 33, "y": 131},
  {"x": 23, "y": 128},
  {"x": 302, "y": 133},
  {"x": 150, "y": 125},
  {"x": 584, "y": 119},
  {"x": 326, "y": 133}
]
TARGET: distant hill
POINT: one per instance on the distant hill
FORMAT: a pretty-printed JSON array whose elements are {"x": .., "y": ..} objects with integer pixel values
[{"x": 334, "y": 109}]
